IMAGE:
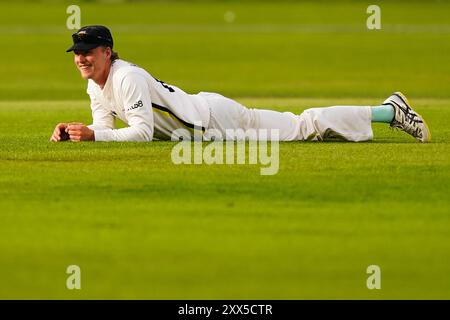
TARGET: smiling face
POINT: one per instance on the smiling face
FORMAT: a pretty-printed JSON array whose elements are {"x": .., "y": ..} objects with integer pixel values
[{"x": 94, "y": 64}]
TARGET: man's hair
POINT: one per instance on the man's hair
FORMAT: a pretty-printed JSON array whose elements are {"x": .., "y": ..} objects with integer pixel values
[{"x": 114, "y": 55}]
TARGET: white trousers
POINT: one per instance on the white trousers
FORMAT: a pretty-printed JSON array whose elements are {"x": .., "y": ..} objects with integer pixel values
[{"x": 234, "y": 121}]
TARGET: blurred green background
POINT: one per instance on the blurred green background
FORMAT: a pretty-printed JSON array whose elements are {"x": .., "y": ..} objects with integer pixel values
[{"x": 307, "y": 49}]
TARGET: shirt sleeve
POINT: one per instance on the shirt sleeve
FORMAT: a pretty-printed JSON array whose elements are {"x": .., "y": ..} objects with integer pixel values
[
  {"x": 134, "y": 95},
  {"x": 102, "y": 118}
]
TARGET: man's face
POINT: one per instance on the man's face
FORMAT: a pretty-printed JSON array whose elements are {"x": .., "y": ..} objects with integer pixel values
[{"x": 93, "y": 63}]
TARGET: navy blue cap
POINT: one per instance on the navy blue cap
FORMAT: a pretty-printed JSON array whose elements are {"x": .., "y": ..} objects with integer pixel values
[{"x": 90, "y": 37}]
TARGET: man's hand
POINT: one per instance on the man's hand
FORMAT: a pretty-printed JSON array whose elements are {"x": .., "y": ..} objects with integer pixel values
[
  {"x": 60, "y": 134},
  {"x": 79, "y": 132}
]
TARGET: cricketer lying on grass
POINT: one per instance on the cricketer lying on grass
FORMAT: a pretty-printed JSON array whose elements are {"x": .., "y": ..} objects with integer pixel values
[{"x": 153, "y": 109}]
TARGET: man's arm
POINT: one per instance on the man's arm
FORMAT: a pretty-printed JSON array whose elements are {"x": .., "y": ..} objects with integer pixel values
[
  {"x": 101, "y": 117},
  {"x": 135, "y": 97}
]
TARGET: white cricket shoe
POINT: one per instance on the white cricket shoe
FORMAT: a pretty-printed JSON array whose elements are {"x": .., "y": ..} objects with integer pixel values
[{"x": 406, "y": 119}]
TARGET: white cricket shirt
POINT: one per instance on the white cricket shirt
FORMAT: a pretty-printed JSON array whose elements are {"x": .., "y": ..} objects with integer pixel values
[{"x": 150, "y": 108}]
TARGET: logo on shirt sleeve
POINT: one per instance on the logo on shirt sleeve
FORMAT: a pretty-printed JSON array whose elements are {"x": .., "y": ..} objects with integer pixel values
[{"x": 138, "y": 104}]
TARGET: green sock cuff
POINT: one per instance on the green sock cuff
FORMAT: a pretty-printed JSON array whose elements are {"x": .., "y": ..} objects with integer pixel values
[{"x": 384, "y": 113}]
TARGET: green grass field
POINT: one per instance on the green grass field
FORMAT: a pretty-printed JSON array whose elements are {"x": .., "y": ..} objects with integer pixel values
[{"x": 141, "y": 227}]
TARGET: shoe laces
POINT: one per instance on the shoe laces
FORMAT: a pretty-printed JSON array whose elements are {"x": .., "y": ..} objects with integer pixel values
[{"x": 407, "y": 120}]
